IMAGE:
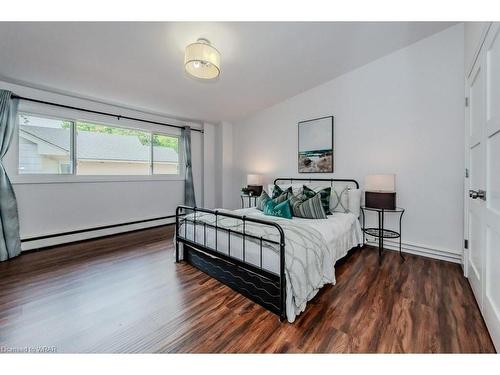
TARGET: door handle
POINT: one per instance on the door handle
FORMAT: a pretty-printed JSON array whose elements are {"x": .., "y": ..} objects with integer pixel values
[{"x": 481, "y": 194}]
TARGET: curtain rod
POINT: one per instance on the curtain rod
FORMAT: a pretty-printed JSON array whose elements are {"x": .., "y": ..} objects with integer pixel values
[{"x": 102, "y": 113}]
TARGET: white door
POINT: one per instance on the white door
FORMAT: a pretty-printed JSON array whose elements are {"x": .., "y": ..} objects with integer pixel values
[
  {"x": 491, "y": 275},
  {"x": 477, "y": 182},
  {"x": 483, "y": 118}
]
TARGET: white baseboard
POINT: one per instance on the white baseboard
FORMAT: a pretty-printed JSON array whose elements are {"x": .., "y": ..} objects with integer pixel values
[
  {"x": 417, "y": 249},
  {"x": 465, "y": 264}
]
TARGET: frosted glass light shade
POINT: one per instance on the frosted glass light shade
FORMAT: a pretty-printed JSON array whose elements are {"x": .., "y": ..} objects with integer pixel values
[
  {"x": 254, "y": 179},
  {"x": 384, "y": 183},
  {"x": 202, "y": 60}
]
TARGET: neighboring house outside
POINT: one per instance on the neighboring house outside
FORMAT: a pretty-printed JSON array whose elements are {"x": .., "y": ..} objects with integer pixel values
[{"x": 46, "y": 150}]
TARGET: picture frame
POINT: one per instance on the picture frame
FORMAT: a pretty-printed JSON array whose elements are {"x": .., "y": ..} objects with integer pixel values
[{"x": 315, "y": 145}]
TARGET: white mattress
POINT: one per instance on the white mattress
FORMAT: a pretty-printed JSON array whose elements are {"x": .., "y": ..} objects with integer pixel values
[{"x": 340, "y": 231}]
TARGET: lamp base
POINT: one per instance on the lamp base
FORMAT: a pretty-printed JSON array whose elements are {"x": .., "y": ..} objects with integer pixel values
[
  {"x": 386, "y": 201},
  {"x": 254, "y": 190}
]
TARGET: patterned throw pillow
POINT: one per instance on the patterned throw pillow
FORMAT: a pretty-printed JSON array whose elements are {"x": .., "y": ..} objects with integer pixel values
[
  {"x": 309, "y": 208},
  {"x": 340, "y": 201},
  {"x": 282, "y": 209},
  {"x": 277, "y": 191},
  {"x": 264, "y": 198},
  {"x": 281, "y": 198},
  {"x": 324, "y": 194}
]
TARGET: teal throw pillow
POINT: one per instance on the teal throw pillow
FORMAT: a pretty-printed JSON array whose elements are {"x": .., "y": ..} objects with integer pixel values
[
  {"x": 277, "y": 191},
  {"x": 264, "y": 198},
  {"x": 282, "y": 209}
]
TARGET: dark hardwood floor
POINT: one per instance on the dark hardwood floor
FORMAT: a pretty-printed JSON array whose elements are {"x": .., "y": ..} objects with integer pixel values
[{"x": 126, "y": 294}]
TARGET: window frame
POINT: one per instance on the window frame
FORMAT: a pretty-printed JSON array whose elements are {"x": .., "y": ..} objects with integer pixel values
[
  {"x": 72, "y": 136},
  {"x": 37, "y": 178}
]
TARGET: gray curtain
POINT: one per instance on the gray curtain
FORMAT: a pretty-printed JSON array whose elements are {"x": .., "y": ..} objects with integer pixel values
[
  {"x": 10, "y": 244},
  {"x": 189, "y": 198}
]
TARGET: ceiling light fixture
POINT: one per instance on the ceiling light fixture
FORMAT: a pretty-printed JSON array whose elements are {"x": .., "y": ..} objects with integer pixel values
[{"x": 202, "y": 60}]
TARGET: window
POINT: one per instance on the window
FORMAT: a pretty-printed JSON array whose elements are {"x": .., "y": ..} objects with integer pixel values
[
  {"x": 165, "y": 154},
  {"x": 46, "y": 146},
  {"x": 107, "y": 150}
]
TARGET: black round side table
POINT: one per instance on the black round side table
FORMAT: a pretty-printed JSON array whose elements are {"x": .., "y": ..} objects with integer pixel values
[
  {"x": 248, "y": 198},
  {"x": 381, "y": 232}
]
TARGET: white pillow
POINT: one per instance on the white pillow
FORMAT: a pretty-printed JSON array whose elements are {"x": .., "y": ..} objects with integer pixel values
[
  {"x": 354, "y": 203},
  {"x": 339, "y": 200}
]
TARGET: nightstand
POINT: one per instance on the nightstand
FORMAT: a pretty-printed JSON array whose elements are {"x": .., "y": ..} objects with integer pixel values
[
  {"x": 381, "y": 233},
  {"x": 248, "y": 199}
]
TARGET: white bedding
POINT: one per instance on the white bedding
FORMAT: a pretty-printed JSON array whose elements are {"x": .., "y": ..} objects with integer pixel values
[{"x": 339, "y": 232}]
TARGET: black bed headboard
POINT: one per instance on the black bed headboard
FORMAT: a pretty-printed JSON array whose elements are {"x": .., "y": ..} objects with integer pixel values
[{"x": 331, "y": 180}]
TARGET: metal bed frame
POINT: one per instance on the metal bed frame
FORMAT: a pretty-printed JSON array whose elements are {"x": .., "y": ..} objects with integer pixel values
[{"x": 253, "y": 281}]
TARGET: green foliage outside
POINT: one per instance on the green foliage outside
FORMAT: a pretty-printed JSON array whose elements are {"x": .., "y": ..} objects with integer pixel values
[
  {"x": 144, "y": 137},
  {"x": 166, "y": 141}
]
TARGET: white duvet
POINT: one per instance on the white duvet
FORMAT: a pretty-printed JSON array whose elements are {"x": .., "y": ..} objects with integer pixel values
[{"x": 312, "y": 248}]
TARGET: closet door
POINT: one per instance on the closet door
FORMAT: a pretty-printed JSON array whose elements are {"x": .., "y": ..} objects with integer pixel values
[{"x": 491, "y": 274}]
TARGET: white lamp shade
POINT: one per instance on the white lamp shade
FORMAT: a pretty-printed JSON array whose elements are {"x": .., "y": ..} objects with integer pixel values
[
  {"x": 254, "y": 179},
  {"x": 202, "y": 60},
  {"x": 385, "y": 183}
]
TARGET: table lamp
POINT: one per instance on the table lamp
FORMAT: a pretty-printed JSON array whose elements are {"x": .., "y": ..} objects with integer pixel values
[
  {"x": 380, "y": 191},
  {"x": 254, "y": 184}
]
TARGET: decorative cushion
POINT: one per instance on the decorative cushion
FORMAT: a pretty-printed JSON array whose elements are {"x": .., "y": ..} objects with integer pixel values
[
  {"x": 282, "y": 209},
  {"x": 310, "y": 208},
  {"x": 339, "y": 201},
  {"x": 277, "y": 191},
  {"x": 264, "y": 198},
  {"x": 283, "y": 197},
  {"x": 323, "y": 193},
  {"x": 296, "y": 188}
]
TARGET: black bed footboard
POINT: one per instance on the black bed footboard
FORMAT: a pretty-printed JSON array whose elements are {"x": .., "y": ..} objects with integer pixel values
[{"x": 252, "y": 280}]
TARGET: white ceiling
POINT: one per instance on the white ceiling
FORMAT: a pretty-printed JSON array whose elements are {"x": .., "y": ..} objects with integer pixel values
[{"x": 141, "y": 64}]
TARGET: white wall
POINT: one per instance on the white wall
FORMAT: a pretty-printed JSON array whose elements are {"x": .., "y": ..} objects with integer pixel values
[
  {"x": 209, "y": 165},
  {"x": 400, "y": 114},
  {"x": 225, "y": 160},
  {"x": 46, "y": 208}
]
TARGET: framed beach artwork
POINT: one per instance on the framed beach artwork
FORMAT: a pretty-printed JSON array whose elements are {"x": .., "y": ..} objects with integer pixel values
[{"x": 316, "y": 145}]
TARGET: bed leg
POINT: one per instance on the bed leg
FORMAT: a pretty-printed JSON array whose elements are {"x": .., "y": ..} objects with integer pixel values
[{"x": 176, "y": 251}]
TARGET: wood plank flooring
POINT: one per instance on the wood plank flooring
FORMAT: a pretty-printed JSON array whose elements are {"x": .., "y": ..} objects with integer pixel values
[{"x": 126, "y": 294}]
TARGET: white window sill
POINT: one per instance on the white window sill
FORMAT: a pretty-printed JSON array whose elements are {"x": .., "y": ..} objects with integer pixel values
[{"x": 68, "y": 179}]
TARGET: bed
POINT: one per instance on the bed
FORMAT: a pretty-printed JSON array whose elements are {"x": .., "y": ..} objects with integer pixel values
[{"x": 279, "y": 263}]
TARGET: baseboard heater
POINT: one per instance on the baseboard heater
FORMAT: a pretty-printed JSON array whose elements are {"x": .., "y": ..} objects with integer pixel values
[{"x": 91, "y": 229}]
